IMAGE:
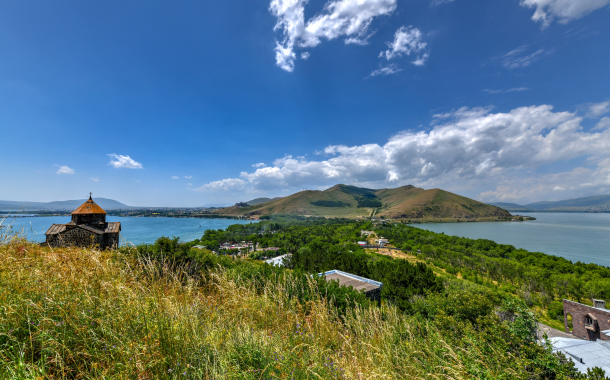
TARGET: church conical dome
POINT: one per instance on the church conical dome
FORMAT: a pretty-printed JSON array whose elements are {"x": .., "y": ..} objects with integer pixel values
[{"x": 89, "y": 207}]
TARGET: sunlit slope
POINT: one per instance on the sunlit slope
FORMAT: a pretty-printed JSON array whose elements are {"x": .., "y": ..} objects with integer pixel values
[
  {"x": 404, "y": 202},
  {"x": 416, "y": 203}
]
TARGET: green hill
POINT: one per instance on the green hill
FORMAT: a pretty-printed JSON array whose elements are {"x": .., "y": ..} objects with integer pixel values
[{"x": 407, "y": 202}]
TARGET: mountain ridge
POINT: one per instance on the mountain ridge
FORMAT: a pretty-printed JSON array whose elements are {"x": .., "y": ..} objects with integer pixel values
[
  {"x": 583, "y": 204},
  {"x": 406, "y": 202}
]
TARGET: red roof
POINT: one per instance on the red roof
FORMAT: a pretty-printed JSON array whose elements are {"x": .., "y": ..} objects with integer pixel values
[{"x": 89, "y": 207}]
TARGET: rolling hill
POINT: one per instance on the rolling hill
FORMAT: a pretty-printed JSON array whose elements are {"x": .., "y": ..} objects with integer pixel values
[
  {"x": 407, "y": 202},
  {"x": 586, "y": 204}
]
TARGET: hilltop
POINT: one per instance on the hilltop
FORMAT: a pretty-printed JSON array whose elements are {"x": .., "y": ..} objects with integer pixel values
[{"x": 406, "y": 202}]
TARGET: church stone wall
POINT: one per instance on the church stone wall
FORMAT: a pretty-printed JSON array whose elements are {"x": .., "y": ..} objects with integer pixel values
[{"x": 79, "y": 237}]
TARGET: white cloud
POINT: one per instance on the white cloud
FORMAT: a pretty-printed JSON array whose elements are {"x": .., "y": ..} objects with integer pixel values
[
  {"x": 603, "y": 123},
  {"x": 259, "y": 165},
  {"x": 516, "y": 89},
  {"x": 175, "y": 177},
  {"x": 565, "y": 10},
  {"x": 469, "y": 146},
  {"x": 598, "y": 109},
  {"x": 95, "y": 179},
  {"x": 439, "y": 2},
  {"x": 421, "y": 60},
  {"x": 188, "y": 176},
  {"x": 119, "y": 161},
  {"x": 339, "y": 18},
  {"x": 65, "y": 170},
  {"x": 407, "y": 40},
  {"x": 229, "y": 184},
  {"x": 390, "y": 69},
  {"x": 305, "y": 56},
  {"x": 516, "y": 58},
  {"x": 558, "y": 188}
]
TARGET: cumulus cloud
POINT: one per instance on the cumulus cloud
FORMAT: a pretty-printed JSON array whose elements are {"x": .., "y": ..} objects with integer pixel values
[
  {"x": 339, "y": 18},
  {"x": 65, "y": 170},
  {"x": 407, "y": 40},
  {"x": 564, "y": 10},
  {"x": 119, "y": 161},
  {"x": 390, "y": 69},
  {"x": 464, "y": 146},
  {"x": 229, "y": 184},
  {"x": 305, "y": 56},
  {"x": 518, "y": 58}
]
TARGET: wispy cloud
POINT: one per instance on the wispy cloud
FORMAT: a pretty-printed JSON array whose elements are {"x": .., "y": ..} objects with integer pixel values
[
  {"x": 518, "y": 58},
  {"x": 439, "y": 2},
  {"x": 339, "y": 18},
  {"x": 259, "y": 165},
  {"x": 564, "y": 10},
  {"x": 516, "y": 89},
  {"x": 119, "y": 161},
  {"x": 64, "y": 170},
  {"x": 390, "y": 69},
  {"x": 175, "y": 177},
  {"x": 188, "y": 176},
  {"x": 95, "y": 179}
]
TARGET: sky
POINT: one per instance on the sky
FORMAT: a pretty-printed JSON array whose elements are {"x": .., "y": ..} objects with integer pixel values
[{"x": 193, "y": 103}]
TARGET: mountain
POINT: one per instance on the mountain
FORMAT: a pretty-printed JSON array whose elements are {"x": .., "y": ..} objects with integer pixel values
[
  {"x": 106, "y": 204},
  {"x": 595, "y": 203},
  {"x": 258, "y": 201},
  {"x": 350, "y": 201}
]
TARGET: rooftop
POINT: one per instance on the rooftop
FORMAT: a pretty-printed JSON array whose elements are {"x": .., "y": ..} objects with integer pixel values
[
  {"x": 89, "y": 207},
  {"x": 585, "y": 354},
  {"x": 348, "y": 279}
]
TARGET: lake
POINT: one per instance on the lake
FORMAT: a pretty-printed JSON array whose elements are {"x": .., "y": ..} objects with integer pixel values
[
  {"x": 574, "y": 236},
  {"x": 135, "y": 230}
]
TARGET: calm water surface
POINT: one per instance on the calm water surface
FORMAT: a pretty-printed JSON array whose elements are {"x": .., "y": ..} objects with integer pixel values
[
  {"x": 577, "y": 237},
  {"x": 134, "y": 230}
]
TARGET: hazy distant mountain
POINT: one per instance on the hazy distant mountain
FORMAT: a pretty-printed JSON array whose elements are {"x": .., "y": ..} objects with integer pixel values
[
  {"x": 217, "y": 205},
  {"x": 351, "y": 201},
  {"x": 106, "y": 204},
  {"x": 595, "y": 203}
]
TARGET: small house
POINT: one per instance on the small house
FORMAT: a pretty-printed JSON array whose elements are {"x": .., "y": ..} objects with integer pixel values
[{"x": 371, "y": 288}]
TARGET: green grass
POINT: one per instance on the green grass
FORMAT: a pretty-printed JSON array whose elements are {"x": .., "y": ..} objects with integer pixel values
[{"x": 83, "y": 314}]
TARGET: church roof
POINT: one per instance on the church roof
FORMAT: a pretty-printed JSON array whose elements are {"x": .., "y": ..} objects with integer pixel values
[
  {"x": 89, "y": 207},
  {"x": 112, "y": 227}
]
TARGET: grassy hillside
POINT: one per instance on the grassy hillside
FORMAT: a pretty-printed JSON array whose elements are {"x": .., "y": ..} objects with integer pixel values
[
  {"x": 84, "y": 314},
  {"x": 405, "y": 202}
]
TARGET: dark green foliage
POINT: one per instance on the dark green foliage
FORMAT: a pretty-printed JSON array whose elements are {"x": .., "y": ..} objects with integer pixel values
[
  {"x": 330, "y": 204},
  {"x": 484, "y": 260},
  {"x": 366, "y": 202}
]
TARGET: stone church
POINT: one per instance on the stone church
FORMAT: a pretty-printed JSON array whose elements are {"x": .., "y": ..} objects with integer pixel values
[{"x": 87, "y": 228}]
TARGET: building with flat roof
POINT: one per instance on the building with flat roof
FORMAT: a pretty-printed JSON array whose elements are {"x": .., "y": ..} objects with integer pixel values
[
  {"x": 371, "y": 288},
  {"x": 585, "y": 354}
]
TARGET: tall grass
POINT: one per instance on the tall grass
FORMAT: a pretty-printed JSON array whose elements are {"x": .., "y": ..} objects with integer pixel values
[{"x": 78, "y": 313}]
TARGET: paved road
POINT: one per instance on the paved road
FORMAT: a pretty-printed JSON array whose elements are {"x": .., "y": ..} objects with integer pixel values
[{"x": 553, "y": 333}]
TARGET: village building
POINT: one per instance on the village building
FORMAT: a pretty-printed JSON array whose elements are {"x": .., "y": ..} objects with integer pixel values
[
  {"x": 588, "y": 322},
  {"x": 88, "y": 228},
  {"x": 372, "y": 288}
]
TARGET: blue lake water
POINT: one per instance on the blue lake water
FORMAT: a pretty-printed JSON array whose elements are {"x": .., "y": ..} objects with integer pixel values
[
  {"x": 575, "y": 236},
  {"x": 135, "y": 230}
]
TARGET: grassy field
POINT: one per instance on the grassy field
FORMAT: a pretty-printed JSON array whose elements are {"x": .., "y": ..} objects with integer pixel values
[{"x": 84, "y": 314}]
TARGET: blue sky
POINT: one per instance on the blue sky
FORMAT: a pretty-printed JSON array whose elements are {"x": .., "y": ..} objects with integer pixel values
[{"x": 192, "y": 103}]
